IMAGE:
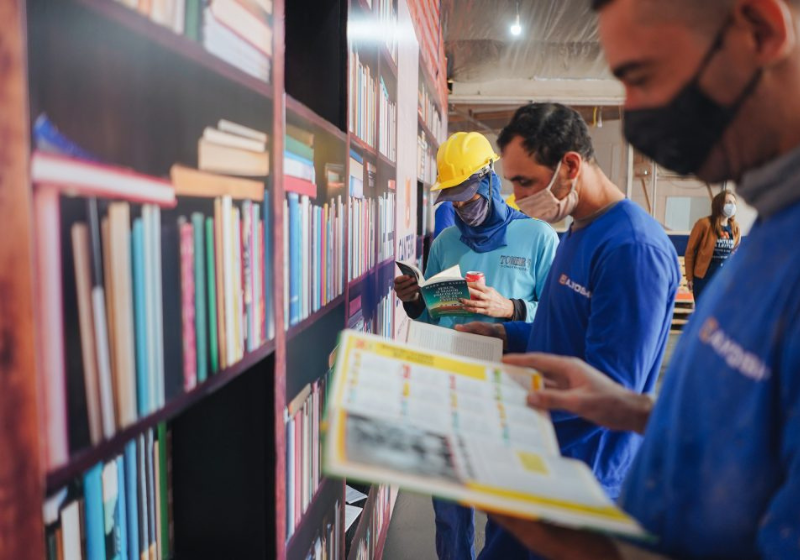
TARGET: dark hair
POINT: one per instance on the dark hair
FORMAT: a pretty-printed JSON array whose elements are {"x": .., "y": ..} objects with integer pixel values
[
  {"x": 717, "y": 205},
  {"x": 598, "y": 5},
  {"x": 549, "y": 131}
]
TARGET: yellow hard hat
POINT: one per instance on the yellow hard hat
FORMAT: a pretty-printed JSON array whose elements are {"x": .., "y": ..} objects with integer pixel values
[
  {"x": 460, "y": 157},
  {"x": 512, "y": 201}
]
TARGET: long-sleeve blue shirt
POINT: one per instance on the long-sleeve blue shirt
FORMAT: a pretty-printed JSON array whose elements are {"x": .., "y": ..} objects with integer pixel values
[
  {"x": 609, "y": 301},
  {"x": 718, "y": 474},
  {"x": 517, "y": 270}
]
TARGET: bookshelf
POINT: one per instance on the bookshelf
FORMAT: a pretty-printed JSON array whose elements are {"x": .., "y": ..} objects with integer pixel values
[{"x": 144, "y": 93}]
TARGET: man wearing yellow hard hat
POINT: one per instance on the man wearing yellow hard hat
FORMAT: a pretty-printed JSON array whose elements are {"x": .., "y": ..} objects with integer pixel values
[{"x": 513, "y": 252}]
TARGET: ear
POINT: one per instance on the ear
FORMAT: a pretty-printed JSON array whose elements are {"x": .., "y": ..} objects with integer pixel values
[
  {"x": 772, "y": 27},
  {"x": 573, "y": 163}
]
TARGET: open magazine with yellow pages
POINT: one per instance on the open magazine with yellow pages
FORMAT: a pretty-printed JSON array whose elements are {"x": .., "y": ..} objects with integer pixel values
[{"x": 459, "y": 429}]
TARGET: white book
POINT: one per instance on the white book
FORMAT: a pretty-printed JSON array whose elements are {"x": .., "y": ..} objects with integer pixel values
[
  {"x": 228, "y": 279},
  {"x": 71, "y": 532},
  {"x": 143, "y": 497},
  {"x": 158, "y": 320},
  {"x": 233, "y": 140},
  {"x": 286, "y": 274},
  {"x": 241, "y": 130}
]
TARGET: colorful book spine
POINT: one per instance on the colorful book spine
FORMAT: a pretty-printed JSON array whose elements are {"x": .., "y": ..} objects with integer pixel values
[
  {"x": 143, "y": 399},
  {"x": 295, "y": 268},
  {"x": 187, "y": 304},
  {"x": 95, "y": 522},
  {"x": 132, "y": 499},
  {"x": 211, "y": 259},
  {"x": 200, "y": 297}
]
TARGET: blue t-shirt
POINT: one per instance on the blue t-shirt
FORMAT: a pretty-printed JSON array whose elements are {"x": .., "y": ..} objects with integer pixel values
[
  {"x": 719, "y": 472},
  {"x": 444, "y": 217},
  {"x": 609, "y": 301},
  {"x": 517, "y": 270}
]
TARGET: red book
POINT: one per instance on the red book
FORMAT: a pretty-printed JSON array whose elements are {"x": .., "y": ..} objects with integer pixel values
[
  {"x": 82, "y": 178},
  {"x": 187, "y": 306},
  {"x": 299, "y": 186}
]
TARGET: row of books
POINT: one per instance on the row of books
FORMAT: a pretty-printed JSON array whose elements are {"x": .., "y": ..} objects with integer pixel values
[
  {"x": 363, "y": 174},
  {"x": 363, "y": 232},
  {"x": 367, "y": 547},
  {"x": 387, "y": 127},
  {"x": 326, "y": 544},
  {"x": 384, "y": 315},
  {"x": 429, "y": 112},
  {"x": 426, "y": 160},
  {"x": 122, "y": 508},
  {"x": 362, "y": 97},
  {"x": 313, "y": 255},
  {"x": 303, "y": 450},
  {"x": 236, "y": 31},
  {"x": 387, "y": 17}
]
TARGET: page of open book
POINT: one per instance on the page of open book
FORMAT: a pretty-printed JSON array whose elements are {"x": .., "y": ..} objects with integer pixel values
[
  {"x": 453, "y": 342},
  {"x": 459, "y": 429}
]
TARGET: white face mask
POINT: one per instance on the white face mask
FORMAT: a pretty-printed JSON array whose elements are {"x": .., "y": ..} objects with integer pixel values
[
  {"x": 545, "y": 206},
  {"x": 729, "y": 210}
]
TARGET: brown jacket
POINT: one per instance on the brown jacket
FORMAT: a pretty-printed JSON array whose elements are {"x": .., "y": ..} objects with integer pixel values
[{"x": 701, "y": 248}]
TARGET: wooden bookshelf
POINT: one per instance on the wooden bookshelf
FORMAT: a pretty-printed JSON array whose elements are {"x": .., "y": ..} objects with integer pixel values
[
  {"x": 139, "y": 95},
  {"x": 432, "y": 140}
]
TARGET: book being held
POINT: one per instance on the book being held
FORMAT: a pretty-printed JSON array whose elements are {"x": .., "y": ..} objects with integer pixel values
[
  {"x": 456, "y": 428},
  {"x": 443, "y": 292}
]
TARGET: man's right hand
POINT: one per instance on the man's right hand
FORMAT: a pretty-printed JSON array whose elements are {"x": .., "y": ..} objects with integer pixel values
[
  {"x": 575, "y": 386},
  {"x": 493, "y": 330},
  {"x": 407, "y": 289}
]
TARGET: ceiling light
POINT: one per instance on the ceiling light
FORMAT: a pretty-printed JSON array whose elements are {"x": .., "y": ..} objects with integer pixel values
[{"x": 516, "y": 28}]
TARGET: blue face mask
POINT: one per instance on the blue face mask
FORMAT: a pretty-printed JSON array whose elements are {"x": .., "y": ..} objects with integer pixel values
[{"x": 474, "y": 213}]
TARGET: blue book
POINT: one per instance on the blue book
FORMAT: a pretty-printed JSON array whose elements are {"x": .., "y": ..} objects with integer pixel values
[
  {"x": 122, "y": 503},
  {"x": 200, "y": 320},
  {"x": 132, "y": 499},
  {"x": 47, "y": 138},
  {"x": 356, "y": 156},
  {"x": 93, "y": 503},
  {"x": 111, "y": 511},
  {"x": 318, "y": 256},
  {"x": 295, "y": 273},
  {"x": 140, "y": 319},
  {"x": 301, "y": 159}
]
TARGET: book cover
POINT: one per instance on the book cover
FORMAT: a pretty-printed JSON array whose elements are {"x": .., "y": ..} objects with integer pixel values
[
  {"x": 186, "y": 232},
  {"x": 486, "y": 448},
  {"x": 442, "y": 293},
  {"x": 111, "y": 512},
  {"x": 143, "y": 399},
  {"x": 201, "y": 296},
  {"x": 299, "y": 186},
  {"x": 95, "y": 522},
  {"x": 211, "y": 281},
  {"x": 83, "y": 284},
  {"x": 132, "y": 498}
]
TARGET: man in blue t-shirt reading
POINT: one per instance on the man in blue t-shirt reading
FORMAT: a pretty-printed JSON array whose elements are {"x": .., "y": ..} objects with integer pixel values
[
  {"x": 609, "y": 296},
  {"x": 712, "y": 90}
]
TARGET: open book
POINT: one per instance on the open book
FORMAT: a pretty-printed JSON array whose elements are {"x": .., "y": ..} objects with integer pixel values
[
  {"x": 442, "y": 293},
  {"x": 458, "y": 429}
]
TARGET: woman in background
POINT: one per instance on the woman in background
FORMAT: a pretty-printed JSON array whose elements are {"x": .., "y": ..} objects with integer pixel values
[{"x": 713, "y": 240}]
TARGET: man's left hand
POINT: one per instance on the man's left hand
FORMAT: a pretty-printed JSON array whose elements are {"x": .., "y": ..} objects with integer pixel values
[{"x": 488, "y": 301}]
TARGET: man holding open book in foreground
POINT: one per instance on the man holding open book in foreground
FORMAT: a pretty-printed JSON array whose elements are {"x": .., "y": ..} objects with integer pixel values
[{"x": 712, "y": 90}]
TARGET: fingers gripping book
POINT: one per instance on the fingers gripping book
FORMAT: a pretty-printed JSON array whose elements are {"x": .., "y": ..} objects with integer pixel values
[
  {"x": 456, "y": 428},
  {"x": 443, "y": 292}
]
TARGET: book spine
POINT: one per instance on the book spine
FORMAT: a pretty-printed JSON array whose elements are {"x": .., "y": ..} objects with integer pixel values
[
  {"x": 132, "y": 499},
  {"x": 220, "y": 251},
  {"x": 247, "y": 271},
  {"x": 227, "y": 242},
  {"x": 158, "y": 309},
  {"x": 122, "y": 504},
  {"x": 143, "y": 496},
  {"x": 187, "y": 304},
  {"x": 95, "y": 522},
  {"x": 238, "y": 299},
  {"x": 152, "y": 533},
  {"x": 140, "y": 320},
  {"x": 296, "y": 273},
  {"x": 200, "y": 297},
  {"x": 51, "y": 321},
  {"x": 163, "y": 490},
  {"x": 211, "y": 259},
  {"x": 111, "y": 510}
]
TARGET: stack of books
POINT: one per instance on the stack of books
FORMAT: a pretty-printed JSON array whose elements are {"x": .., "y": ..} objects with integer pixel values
[
  {"x": 362, "y": 96},
  {"x": 233, "y": 149},
  {"x": 239, "y": 32},
  {"x": 298, "y": 163},
  {"x": 122, "y": 509},
  {"x": 326, "y": 543},
  {"x": 387, "y": 144},
  {"x": 302, "y": 419},
  {"x": 387, "y": 17}
]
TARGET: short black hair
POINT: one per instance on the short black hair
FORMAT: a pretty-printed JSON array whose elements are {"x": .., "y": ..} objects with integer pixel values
[
  {"x": 548, "y": 132},
  {"x": 598, "y": 5}
]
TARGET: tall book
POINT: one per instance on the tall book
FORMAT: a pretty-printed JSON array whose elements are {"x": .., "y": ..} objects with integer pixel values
[
  {"x": 132, "y": 499},
  {"x": 144, "y": 401},
  {"x": 95, "y": 522},
  {"x": 188, "y": 304},
  {"x": 211, "y": 281},
  {"x": 111, "y": 511},
  {"x": 172, "y": 302}
]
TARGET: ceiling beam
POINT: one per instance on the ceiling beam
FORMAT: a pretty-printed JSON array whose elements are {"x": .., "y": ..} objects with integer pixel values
[{"x": 519, "y": 92}]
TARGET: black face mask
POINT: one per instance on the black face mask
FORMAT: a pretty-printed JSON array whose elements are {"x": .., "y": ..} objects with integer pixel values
[{"x": 680, "y": 135}]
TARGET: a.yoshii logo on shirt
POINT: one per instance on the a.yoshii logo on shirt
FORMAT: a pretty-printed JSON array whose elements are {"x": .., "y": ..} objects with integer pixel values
[
  {"x": 736, "y": 357},
  {"x": 574, "y": 286}
]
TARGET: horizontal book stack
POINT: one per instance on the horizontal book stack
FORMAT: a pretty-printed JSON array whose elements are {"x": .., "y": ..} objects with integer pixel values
[
  {"x": 326, "y": 544},
  {"x": 121, "y": 508},
  {"x": 233, "y": 149},
  {"x": 314, "y": 254},
  {"x": 363, "y": 94},
  {"x": 236, "y": 31},
  {"x": 387, "y": 17},
  {"x": 303, "y": 450},
  {"x": 429, "y": 112},
  {"x": 387, "y": 112},
  {"x": 298, "y": 163},
  {"x": 426, "y": 160}
]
